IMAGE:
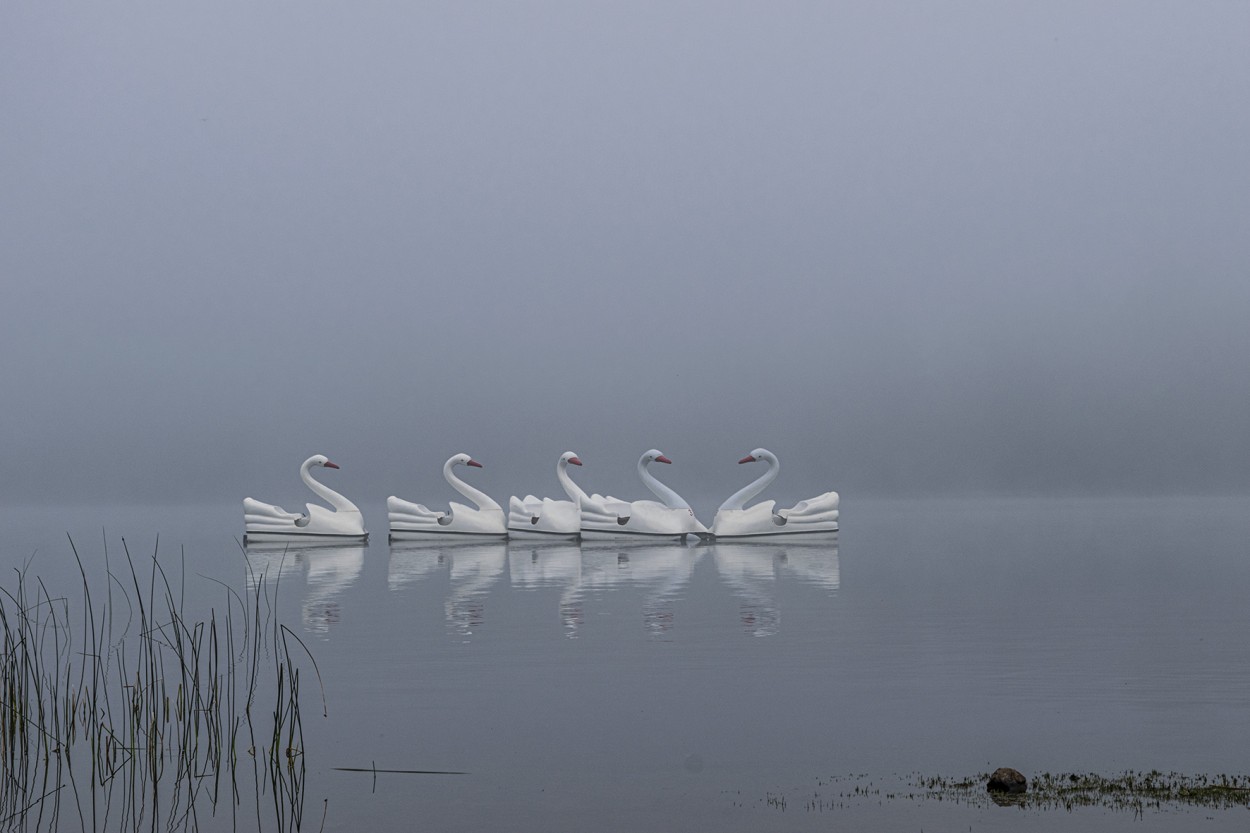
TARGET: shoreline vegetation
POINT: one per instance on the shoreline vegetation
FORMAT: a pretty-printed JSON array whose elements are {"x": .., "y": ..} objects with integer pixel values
[
  {"x": 119, "y": 710},
  {"x": 1131, "y": 791}
]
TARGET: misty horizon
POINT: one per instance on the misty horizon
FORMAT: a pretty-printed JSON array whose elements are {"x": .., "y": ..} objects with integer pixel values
[{"x": 914, "y": 251}]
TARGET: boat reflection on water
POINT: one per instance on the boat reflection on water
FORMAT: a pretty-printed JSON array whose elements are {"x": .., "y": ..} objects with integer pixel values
[
  {"x": 662, "y": 569},
  {"x": 412, "y": 563},
  {"x": 815, "y": 564},
  {"x": 584, "y": 573},
  {"x": 537, "y": 564},
  {"x": 752, "y": 570},
  {"x": 472, "y": 567},
  {"x": 328, "y": 570}
]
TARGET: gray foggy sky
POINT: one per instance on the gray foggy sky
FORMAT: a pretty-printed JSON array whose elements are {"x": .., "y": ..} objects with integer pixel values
[{"x": 913, "y": 248}]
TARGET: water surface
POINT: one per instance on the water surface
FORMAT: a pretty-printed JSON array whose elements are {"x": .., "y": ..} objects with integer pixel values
[{"x": 739, "y": 686}]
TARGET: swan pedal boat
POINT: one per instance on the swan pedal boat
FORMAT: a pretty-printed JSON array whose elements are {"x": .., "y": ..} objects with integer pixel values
[
  {"x": 342, "y": 522},
  {"x": 612, "y": 519},
  {"x": 816, "y": 516},
  {"x": 415, "y": 522},
  {"x": 544, "y": 518}
]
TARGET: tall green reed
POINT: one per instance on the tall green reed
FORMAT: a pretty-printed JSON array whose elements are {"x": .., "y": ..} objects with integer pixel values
[{"x": 131, "y": 714}]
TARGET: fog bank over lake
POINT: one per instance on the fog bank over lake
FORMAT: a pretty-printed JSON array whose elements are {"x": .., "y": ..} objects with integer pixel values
[{"x": 912, "y": 250}]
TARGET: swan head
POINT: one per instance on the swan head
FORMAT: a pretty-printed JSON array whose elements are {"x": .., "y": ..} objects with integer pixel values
[
  {"x": 464, "y": 460},
  {"x": 653, "y": 456},
  {"x": 759, "y": 454},
  {"x": 320, "y": 460},
  {"x": 570, "y": 457}
]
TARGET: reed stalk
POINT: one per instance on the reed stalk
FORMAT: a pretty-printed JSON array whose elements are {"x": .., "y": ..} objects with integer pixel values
[{"x": 131, "y": 714}]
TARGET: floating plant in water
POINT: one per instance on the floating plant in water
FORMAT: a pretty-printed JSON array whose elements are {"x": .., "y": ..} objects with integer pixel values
[
  {"x": 1133, "y": 792},
  {"x": 128, "y": 713},
  {"x": 1130, "y": 791}
]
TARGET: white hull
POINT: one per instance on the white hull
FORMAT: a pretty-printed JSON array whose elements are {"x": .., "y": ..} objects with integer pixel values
[
  {"x": 437, "y": 535},
  {"x": 769, "y": 535},
  {"x": 541, "y": 535},
  {"x": 263, "y": 536},
  {"x": 624, "y": 535}
]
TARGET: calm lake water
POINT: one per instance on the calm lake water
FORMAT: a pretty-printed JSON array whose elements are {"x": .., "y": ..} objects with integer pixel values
[{"x": 745, "y": 687}]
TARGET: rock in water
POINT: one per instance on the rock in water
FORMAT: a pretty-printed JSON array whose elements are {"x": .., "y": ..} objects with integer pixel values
[{"x": 1007, "y": 780}]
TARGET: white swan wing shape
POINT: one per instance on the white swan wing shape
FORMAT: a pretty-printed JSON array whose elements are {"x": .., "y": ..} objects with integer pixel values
[
  {"x": 400, "y": 511},
  {"x": 255, "y": 513},
  {"x": 545, "y": 517},
  {"x": 342, "y": 519},
  {"x": 606, "y": 512},
  {"x": 819, "y": 509},
  {"x": 733, "y": 520},
  {"x": 613, "y": 518},
  {"x": 414, "y": 520}
]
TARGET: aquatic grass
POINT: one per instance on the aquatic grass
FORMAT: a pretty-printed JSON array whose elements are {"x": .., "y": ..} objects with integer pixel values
[
  {"x": 1134, "y": 792},
  {"x": 1129, "y": 791},
  {"x": 135, "y": 715}
]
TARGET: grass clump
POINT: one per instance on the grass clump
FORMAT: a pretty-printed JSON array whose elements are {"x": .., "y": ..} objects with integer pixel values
[
  {"x": 1130, "y": 791},
  {"x": 120, "y": 711}
]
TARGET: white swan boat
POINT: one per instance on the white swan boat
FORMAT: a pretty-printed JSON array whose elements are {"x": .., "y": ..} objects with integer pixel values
[
  {"x": 812, "y": 516},
  {"x": 544, "y": 517},
  {"x": 413, "y": 521},
  {"x": 342, "y": 521},
  {"x": 609, "y": 518}
]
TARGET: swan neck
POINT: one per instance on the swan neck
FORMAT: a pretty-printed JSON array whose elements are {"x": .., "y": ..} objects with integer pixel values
[
  {"x": 575, "y": 492},
  {"x": 670, "y": 498},
  {"x": 740, "y": 497},
  {"x": 480, "y": 498},
  {"x": 340, "y": 503}
]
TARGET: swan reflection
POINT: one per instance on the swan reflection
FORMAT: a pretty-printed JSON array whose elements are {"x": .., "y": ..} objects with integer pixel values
[
  {"x": 411, "y": 564},
  {"x": 752, "y": 570},
  {"x": 328, "y": 570},
  {"x": 472, "y": 569},
  {"x": 663, "y": 569},
  {"x": 813, "y": 563},
  {"x": 533, "y": 565},
  {"x": 585, "y": 572}
]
